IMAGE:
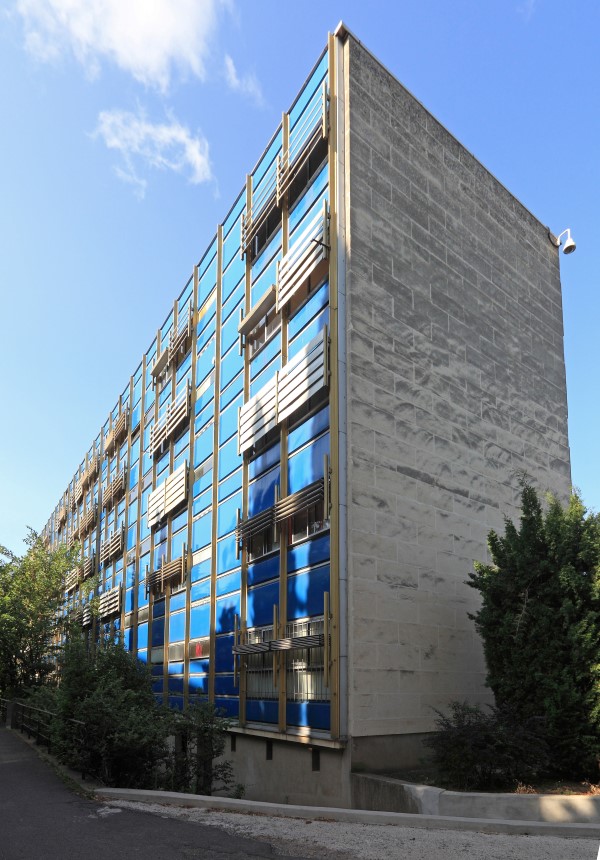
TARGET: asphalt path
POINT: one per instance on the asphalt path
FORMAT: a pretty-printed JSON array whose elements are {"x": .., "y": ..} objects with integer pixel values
[{"x": 42, "y": 819}]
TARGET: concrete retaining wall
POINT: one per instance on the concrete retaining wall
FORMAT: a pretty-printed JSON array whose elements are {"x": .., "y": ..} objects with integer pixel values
[{"x": 370, "y": 791}]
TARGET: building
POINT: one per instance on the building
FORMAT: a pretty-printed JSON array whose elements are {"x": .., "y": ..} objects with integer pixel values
[{"x": 284, "y": 504}]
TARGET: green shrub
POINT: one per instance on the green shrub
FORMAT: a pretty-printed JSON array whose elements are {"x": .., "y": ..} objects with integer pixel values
[
  {"x": 127, "y": 739},
  {"x": 474, "y": 750},
  {"x": 540, "y": 625},
  {"x": 199, "y": 766},
  {"x": 124, "y": 740},
  {"x": 40, "y": 697}
]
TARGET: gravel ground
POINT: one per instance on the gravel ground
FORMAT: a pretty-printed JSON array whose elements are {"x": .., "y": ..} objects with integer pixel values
[{"x": 343, "y": 841}]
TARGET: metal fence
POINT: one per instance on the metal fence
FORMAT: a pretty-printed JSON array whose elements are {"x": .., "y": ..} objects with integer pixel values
[{"x": 37, "y": 723}]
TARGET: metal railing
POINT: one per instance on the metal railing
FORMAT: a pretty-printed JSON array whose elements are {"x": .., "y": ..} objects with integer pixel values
[{"x": 36, "y": 723}]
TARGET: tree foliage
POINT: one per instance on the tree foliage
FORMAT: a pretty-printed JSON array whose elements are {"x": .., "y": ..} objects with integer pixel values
[
  {"x": 475, "y": 749},
  {"x": 31, "y": 593},
  {"x": 201, "y": 731},
  {"x": 108, "y": 724},
  {"x": 540, "y": 625},
  {"x": 123, "y": 739}
]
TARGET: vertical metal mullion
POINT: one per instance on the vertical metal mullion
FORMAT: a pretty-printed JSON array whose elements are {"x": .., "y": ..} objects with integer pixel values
[
  {"x": 98, "y": 541},
  {"x": 136, "y": 581},
  {"x": 215, "y": 486},
  {"x": 283, "y": 482},
  {"x": 151, "y": 565},
  {"x": 190, "y": 495},
  {"x": 126, "y": 497},
  {"x": 243, "y": 680},
  {"x": 167, "y": 592}
]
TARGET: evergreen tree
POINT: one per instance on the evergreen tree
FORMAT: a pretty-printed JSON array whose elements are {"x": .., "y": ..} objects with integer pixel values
[{"x": 540, "y": 625}]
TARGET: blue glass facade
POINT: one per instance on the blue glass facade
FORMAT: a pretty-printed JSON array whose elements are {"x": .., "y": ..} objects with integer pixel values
[{"x": 203, "y": 505}]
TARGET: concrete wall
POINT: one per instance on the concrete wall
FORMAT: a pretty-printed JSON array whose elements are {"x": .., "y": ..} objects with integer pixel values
[
  {"x": 380, "y": 793},
  {"x": 456, "y": 381},
  {"x": 288, "y": 777}
]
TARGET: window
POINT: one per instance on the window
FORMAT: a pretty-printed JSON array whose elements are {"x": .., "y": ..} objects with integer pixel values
[
  {"x": 308, "y": 522},
  {"x": 305, "y": 675},
  {"x": 263, "y": 331},
  {"x": 260, "y": 683},
  {"x": 307, "y": 171},
  {"x": 265, "y": 231},
  {"x": 262, "y": 543},
  {"x": 179, "y": 540}
]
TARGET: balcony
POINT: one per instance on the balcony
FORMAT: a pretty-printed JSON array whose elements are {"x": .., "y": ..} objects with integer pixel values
[
  {"x": 90, "y": 470},
  {"x": 109, "y": 603},
  {"x": 169, "y": 573},
  {"x": 167, "y": 497},
  {"x": 160, "y": 364},
  {"x": 180, "y": 337},
  {"x": 87, "y": 566},
  {"x": 258, "y": 416},
  {"x": 306, "y": 135},
  {"x": 264, "y": 209},
  {"x": 86, "y": 616},
  {"x": 117, "y": 431},
  {"x": 304, "y": 138},
  {"x": 247, "y": 529},
  {"x": 87, "y": 520},
  {"x": 291, "y": 388},
  {"x": 312, "y": 635},
  {"x": 291, "y": 505},
  {"x": 176, "y": 413},
  {"x": 114, "y": 490},
  {"x": 112, "y": 546},
  {"x": 306, "y": 254},
  {"x": 72, "y": 579},
  {"x": 179, "y": 340}
]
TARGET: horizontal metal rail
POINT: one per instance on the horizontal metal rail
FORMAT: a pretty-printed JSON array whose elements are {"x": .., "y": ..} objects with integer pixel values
[{"x": 38, "y": 723}]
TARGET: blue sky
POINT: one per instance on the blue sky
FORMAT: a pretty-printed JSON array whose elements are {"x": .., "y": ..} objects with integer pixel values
[{"x": 128, "y": 129}]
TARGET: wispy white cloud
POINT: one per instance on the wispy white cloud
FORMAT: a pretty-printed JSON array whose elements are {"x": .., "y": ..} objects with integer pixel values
[
  {"x": 247, "y": 84},
  {"x": 146, "y": 38},
  {"x": 526, "y": 9},
  {"x": 142, "y": 144}
]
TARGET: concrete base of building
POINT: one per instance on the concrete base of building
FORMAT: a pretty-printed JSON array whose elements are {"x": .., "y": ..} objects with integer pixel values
[
  {"x": 277, "y": 768},
  {"x": 280, "y": 771},
  {"x": 388, "y": 753}
]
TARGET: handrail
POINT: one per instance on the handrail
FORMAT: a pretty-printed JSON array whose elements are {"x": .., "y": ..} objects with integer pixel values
[{"x": 37, "y": 722}]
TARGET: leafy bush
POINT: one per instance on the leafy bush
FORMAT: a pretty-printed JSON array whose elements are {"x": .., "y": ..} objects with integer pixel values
[
  {"x": 127, "y": 738},
  {"x": 199, "y": 767},
  {"x": 40, "y": 697},
  {"x": 476, "y": 750},
  {"x": 124, "y": 740},
  {"x": 107, "y": 722},
  {"x": 540, "y": 625}
]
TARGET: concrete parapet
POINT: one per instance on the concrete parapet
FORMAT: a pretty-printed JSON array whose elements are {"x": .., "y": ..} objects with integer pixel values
[{"x": 370, "y": 791}]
